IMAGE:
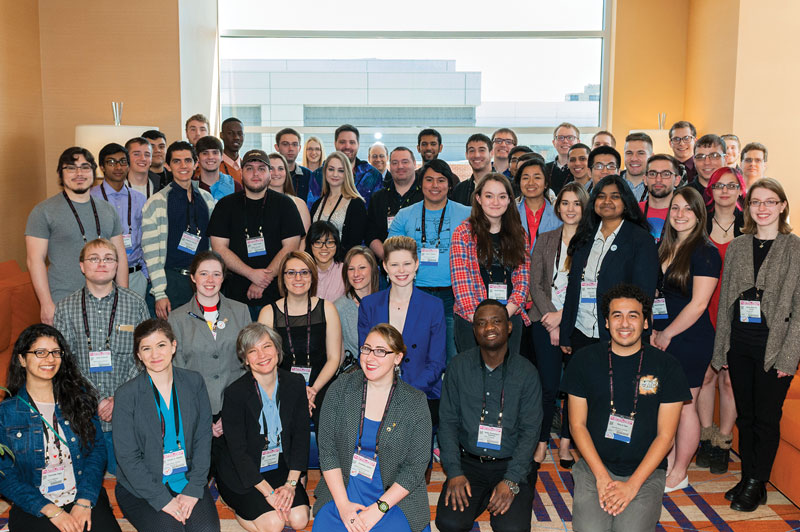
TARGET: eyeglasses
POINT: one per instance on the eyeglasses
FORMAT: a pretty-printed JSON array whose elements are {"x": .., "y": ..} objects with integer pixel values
[
  {"x": 700, "y": 157},
  {"x": 290, "y": 144},
  {"x": 665, "y": 175},
  {"x": 750, "y": 160},
  {"x": 378, "y": 351},
  {"x": 113, "y": 162},
  {"x": 677, "y": 140},
  {"x": 610, "y": 166},
  {"x": 43, "y": 353},
  {"x": 297, "y": 273},
  {"x": 562, "y": 138},
  {"x": 723, "y": 186},
  {"x": 319, "y": 244},
  {"x": 507, "y": 142},
  {"x": 98, "y": 260},
  {"x": 72, "y": 169},
  {"x": 768, "y": 203}
]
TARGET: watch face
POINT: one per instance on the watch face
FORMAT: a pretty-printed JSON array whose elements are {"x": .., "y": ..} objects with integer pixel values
[{"x": 383, "y": 506}]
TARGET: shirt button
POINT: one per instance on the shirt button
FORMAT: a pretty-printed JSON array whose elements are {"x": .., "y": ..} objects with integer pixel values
[
  {"x": 66, "y": 422},
  {"x": 19, "y": 434},
  {"x": 214, "y": 356},
  {"x": 407, "y": 360},
  {"x": 216, "y": 376},
  {"x": 487, "y": 393},
  {"x": 72, "y": 439},
  {"x": 80, "y": 473},
  {"x": 78, "y": 456}
]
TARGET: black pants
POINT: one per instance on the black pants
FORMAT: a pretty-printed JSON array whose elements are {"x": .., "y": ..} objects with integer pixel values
[
  {"x": 102, "y": 518},
  {"x": 548, "y": 363},
  {"x": 578, "y": 341},
  {"x": 759, "y": 397},
  {"x": 483, "y": 477},
  {"x": 179, "y": 288},
  {"x": 145, "y": 518}
]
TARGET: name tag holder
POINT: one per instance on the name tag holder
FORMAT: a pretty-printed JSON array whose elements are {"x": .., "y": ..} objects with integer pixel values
[
  {"x": 127, "y": 240},
  {"x": 189, "y": 242},
  {"x": 100, "y": 361},
  {"x": 660, "y": 309},
  {"x": 749, "y": 311},
  {"x": 620, "y": 427},
  {"x": 499, "y": 292},
  {"x": 363, "y": 465},
  {"x": 174, "y": 462},
  {"x": 429, "y": 256},
  {"x": 589, "y": 292},
  {"x": 490, "y": 436},
  {"x": 256, "y": 246},
  {"x": 53, "y": 479},
  {"x": 269, "y": 459},
  {"x": 305, "y": 371}
]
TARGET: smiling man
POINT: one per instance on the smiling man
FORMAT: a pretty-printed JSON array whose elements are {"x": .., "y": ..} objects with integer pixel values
[
  {"x": 578, "y": 164},
  {"x": 196, "y": 126},
  {"x": 709, "y": 155},
  {"x": 378, "y": 155},
  {"x": 479, "y": 157},
  {"x": 754, "y": 162},
  {"x": 209, "y": 156},
  {"x": 287, "y": 143},
  {"x": 489, "y": 419},
  {"x": 140, "y": 157},
  {"x": 682, "y": 136},
  {"x": 638, "y": 148},
  {"x": 232, "y": 135},
  {"x": 603, "y": 161},
  {"x": 565, "y": 136},
  {"x": 503, "y": 141}
]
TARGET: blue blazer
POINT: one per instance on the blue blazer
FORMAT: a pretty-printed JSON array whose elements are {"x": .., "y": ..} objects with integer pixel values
[
  {"x": 549, "y": 219},
  {"x": 633, "y": 259},
  {"x": 424, "y": 334}
]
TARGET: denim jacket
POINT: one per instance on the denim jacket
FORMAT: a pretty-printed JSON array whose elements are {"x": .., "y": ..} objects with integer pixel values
[{"x": 20, "y": 477}]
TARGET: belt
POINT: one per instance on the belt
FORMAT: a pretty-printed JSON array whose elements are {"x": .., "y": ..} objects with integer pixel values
[
  {"x": 483, "y": 459},
  {"x": 436, "y": 288},
  {"x": 181, "y": 271},
  {"x": 135, "y": 268}
]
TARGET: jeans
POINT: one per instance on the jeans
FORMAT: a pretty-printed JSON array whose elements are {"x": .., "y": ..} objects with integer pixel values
[
  {"x": 448, "y": 301},
  {"x": 111, "y": 465}
]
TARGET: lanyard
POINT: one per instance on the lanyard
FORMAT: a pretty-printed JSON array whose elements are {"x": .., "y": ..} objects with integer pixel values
[
  {"x": 611, "y": 381},
  {"x": 47, "y": 426},
  {"x": 322, "y": 207},
  {"x": 175, "y": 408},
  {"x": 441, "y": 224},
  {"x": 213, "y": 326},
  {"x": 263, "y": 417},
  {"x": 260, "y": 216},
  {"x": 558, "y": 257},
  {"x": 502, "y": 392},
  {"x": 289, "y": 332},
  {"x": 78, "y": 219},
  {"x": 364, "y": 413},
  {"x": 110, "y": 320},
  {"x": 190, "y": 211},
  {"x": 147, "y": 195},
  {"x": 105, "y": 197}
]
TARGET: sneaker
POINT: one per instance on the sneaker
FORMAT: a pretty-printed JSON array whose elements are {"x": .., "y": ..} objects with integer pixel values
[
  {"x": 719, "y": 460},
  {"x": 703, "y": 458}
]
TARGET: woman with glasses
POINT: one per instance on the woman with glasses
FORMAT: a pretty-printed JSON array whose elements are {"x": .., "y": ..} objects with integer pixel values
[
  {"x": 374, "y": 445},
  {"x": 266, "y": 437},
  {"x": 280, "y": 182},
  {"x": 724, "y": 198},
  {"x": 690, "y": 269},
  {"x": 360, "y": 277},
  {"x": 162, "y": 439},
  {"x": 340, "y": 203},
  {"x": 313, "y": 153},
  {"x": 54, "y": 479},
  {"x": 309, "y": 327},
  {"x": 323, "y": 244},
  {"x": 757, "y": 332}
]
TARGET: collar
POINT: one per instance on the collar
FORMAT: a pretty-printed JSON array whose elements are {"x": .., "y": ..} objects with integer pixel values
[
  {"x": 500, "y": 365},
  {"x": 110, "y": 190},
  {"x": 599, "y": 235},
  {"x": 105, "y": 297},
  {"x": 236, "y": 164}
]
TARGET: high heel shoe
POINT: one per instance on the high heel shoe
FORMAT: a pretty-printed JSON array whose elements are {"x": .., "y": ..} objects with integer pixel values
[{"x": 566, "y": 464}]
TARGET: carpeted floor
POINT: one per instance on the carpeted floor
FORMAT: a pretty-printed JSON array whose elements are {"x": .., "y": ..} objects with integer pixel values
[{"x": 701, "y": 507}]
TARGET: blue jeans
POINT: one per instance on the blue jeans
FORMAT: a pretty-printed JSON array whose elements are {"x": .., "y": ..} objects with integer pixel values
[
  {"x": 448, "y": 301},
  {"x": 111, "y": 466}
]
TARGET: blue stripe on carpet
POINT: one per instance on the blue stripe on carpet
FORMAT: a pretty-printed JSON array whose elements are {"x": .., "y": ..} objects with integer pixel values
[
  {"x": 707, "y": 510},
  {"x": 677, "y": 514},
  {"x": 539, "y": 511},
  {"x": 555, "y": 496}
]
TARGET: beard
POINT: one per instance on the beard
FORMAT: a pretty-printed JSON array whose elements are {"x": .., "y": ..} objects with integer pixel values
[{"x": 256, "y": 190}]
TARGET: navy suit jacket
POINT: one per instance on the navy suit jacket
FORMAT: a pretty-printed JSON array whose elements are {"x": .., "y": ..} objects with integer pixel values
[
  {"x": 424, "y": 334},
  {"x": 633, "y": 259}
]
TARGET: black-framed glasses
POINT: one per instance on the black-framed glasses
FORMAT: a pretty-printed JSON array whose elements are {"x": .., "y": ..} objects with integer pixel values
[
  {"x": 71, "y": 168},
  {"x": 319, "y": 244},
  {"x": 700, "y": 157},
  {"x": 378, "y": 351},
  {"x": 114, "y": 162},
  {"x": 297, "y": 273},
  {"x": 44, "y": 353},
  {"x": 771, "y": 203},
  {"x": 562, "y": 138},
  {"x": 685, "y": 139},
  {"x": 723, "y": 186},
  {"x": 664, "y": 174},
  {"x": 609, "y": 166},
  {"x": 98, "y": 260}
]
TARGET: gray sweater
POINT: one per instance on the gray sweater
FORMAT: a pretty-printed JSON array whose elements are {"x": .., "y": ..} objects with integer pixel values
[{"x": 348, "y": 315}]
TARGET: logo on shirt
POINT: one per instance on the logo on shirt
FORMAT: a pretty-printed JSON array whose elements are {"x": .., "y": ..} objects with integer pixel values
[{"x": 648, "y": 385}]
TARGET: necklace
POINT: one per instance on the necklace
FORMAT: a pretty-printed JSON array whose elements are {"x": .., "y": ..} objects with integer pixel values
[{"x": 723, "y": 229}]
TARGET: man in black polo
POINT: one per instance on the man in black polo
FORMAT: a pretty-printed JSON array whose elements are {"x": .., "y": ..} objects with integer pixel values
[
  {"x": 479, "y": 157},
  {"x": 489, "y": 417},
  {"x": 253, "y": 230}
]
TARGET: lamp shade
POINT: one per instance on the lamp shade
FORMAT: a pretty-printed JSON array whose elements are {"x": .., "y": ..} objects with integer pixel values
[{"x": 94, "y": 136}]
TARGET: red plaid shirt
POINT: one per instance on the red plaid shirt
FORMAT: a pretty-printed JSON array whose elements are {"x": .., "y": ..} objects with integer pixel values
[{"x": 465, "y": 271}]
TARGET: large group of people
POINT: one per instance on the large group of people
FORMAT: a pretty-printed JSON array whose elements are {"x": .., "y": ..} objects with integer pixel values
[{"x": 245, "y": 318}]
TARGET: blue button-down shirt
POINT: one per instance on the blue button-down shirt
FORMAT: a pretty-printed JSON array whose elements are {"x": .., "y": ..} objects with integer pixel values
[{"x": 119, "y": 200}]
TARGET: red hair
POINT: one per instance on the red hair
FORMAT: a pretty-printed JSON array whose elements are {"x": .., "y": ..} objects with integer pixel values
[{"x": 716, "y": 176}]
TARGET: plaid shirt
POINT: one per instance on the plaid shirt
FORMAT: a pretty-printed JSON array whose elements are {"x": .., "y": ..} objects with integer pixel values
[
  {"x": 131, "y": 311},
  {"x": 468, "y": 287}
]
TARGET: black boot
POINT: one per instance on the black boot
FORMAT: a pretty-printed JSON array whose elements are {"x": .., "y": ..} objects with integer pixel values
[
  {"x": 704, "y": 454},
  {"x": 753, "y": 494},
  {"x": 732, "y": 493},
  {"x": 719, "y": 460}
]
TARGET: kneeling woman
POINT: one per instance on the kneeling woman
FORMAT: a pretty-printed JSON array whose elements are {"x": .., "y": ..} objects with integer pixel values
[
  {"x": 265, "y": 419},
  {"x": 162, "y": 439},
  {"x": 375, "y": 431},
  {"x": 55, "y": 479}
]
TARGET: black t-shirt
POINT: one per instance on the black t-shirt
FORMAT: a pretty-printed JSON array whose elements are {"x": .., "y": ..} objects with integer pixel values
[
  {"x": 278, "y": 218},
  {"x": 752, "y": 334},
  {"x": 498, "y": 273},
  {"x": 662, "y": 381}
]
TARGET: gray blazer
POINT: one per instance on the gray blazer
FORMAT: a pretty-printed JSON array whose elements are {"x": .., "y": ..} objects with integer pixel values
[
  {"x": 542, "y": 260},
  {"x": 779, "y": 278},
  {"x": 215, "y": 360},
  {"x": 138, "y": 446},
  {"x": 405, "y": 443}
]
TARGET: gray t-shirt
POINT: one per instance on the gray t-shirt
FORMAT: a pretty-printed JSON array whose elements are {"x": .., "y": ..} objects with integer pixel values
[{"x": 53, "y": 220}]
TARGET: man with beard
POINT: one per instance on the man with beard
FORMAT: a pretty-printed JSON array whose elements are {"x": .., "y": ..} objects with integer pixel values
[
  {"x": 252, "y": 230},
  {"x": 58, "y": 228},
  {"x": 662, "y": 176},
  {"x": 429, "y": 146},
  {"x": 638, "y": 148}
]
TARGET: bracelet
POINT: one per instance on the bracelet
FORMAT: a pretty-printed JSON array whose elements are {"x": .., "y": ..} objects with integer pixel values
[
  {"x": 87, "y": 506},
  {"x": 59, "y": 512}
]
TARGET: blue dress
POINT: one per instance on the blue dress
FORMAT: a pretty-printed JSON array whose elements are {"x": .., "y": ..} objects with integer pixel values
[{"x": 365, "y": 492}]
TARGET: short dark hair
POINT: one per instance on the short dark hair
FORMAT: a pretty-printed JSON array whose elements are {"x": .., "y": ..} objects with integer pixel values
[
  {"x": 604, "y": 150},
  {"x": 519, "y": 149},
  {"x": 627, "y": 291},
  {"x": 318, "y": 230},
  {"x": 640, "y": 136},
  {"x": 403, "y": 148},
  {"x": 579, "y": 146},
  {"x": 709, "y": 141},
  {"x": 208, "y": 143},
  {"x": 229, "y": 120},
  {"x": 479, "y": 137},
  {"x": 527, "y": 163},
  {"x": 490, "y": 303},
  {"x": 287, "y": 131},
  {"x": 428, "y": 132},
  {"x": 346, "y": 127},
  {"x": 110, "y": 149},
  {"x": 604, "y": 132},
  {"x": 145, "y": 329},
  {"x": 677, "y": 167},
  {"x": 137, "y": 140},
  {"x": 201, "y": 257},
  {"x": 440, "y": 167},
  {"x": 179, "y": 145},
  {"x": 68, "y": 157},
  {"x": 757, "y": 146},
  {"x": 681, "y": 124},
  {"x": 154, "y": 134}
]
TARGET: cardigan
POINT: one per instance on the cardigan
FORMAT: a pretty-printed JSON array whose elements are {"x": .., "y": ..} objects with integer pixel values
[
  {"x": 542, "y": 263},
  {"x": 354, "y": 228},
  {"x": 405, "y": 443},
  {"x": 780, "y": 303}
]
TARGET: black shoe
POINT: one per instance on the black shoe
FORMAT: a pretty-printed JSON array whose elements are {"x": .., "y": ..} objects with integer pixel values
[
  {"x": 719, "y": 460},
  {"x": 566, "y": 464},
  {"x": 752, "y": 495},
  {"x": 704, "y": 454},
  {"x": 732, "y": 493}
]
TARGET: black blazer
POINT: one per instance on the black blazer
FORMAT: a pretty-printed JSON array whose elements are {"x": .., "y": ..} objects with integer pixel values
[
  {"x": 240, "y": 456},
  {"x": 634, "y": 261},
  {"x": 354, "y": 228}
]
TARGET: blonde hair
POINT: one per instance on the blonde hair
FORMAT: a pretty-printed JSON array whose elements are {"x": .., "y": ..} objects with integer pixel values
[
  {"x": 97, "y": 243},
  {"x": 399, "y": 243},
  {"x": 774, "y": 185},
  {"x": 349, "y": 186},
  {"x": 305, "y": 149}
]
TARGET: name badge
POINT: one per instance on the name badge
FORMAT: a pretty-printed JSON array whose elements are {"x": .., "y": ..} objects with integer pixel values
[
  {"x": 389, "y": 220},
  {"x": 499, "y": 292},
  {"x": 561, "y": 292},
  {"x": 256, "y": 246},
  {"x": 269, "y": 459},
  {"x": 490, "y": 436},
  {"x": 750, "y": 311},
  {"x": 53, "y": 479},
  {"x": 660, "y": 309},
  {"x": 174, "y": 462},
  {"x": 429, "y": 256},
  {"x": 100, "y": 361},
  {"x": 363, "y": 466},
  {"x": 305, "y": 371},
  {"x": 128, "y": 241},
  {"x": 589, "y": 292},
  {"x": 189, "y": 243},
  {"x": 619, "y": 428}
]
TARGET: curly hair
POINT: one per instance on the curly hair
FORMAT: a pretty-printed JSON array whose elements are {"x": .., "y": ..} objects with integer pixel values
[{"x": 627, "y": 291}]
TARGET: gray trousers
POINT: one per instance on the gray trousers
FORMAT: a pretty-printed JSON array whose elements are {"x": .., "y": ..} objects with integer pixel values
[{"x": 641, "y": 515}]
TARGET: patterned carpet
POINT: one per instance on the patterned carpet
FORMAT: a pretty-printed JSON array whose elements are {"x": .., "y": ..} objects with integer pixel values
[{"x": 701, "y": 507}]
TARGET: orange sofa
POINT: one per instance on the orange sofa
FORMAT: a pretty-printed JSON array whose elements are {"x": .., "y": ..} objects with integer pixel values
[
  {"x": 19, "y": 308},
  {"x": 786, "y": 471}
]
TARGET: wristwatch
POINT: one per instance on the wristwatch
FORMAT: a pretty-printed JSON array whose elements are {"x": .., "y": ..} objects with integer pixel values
[
  {"x": 513, "y": 486},
  {"x": 292, "y": 483},
  {"x": 383, "y": 506}
]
